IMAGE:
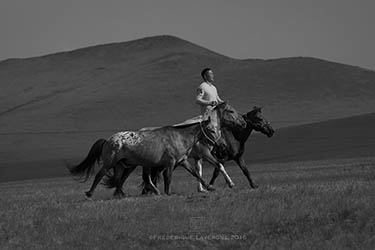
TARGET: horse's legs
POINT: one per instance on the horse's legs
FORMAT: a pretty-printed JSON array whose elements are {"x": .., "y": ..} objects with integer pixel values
[
  {"x": 154, "y": 188},
  {"x": 226, "y": 175},
  {"x": 241, "y": 163},
  {"x": 198, "y": 164},
  {"x": 98, "y": 178},
  {"x": 167, "y": 175},
  {"x": 149, "y": 185},
  {"x": 118, "y": 171},
  {"x": 155, "y": 172},
  {"x": 145, "y": 173},
  {"x": 154, "y": 178},
  {"x": 208, "y": 156},
  {"x": 192, "y": 171},
  {"x": 215, "y": 174},
  {"x": 126, "y": 171}
]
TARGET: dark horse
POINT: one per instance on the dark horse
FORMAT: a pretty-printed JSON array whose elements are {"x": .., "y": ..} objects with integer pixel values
[
  {"x": 164, "y": 147},
  {"x": 234, "y": 138}
]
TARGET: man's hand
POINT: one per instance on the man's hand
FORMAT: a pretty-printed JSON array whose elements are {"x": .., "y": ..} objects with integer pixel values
[{"x": 213, "y": 103}]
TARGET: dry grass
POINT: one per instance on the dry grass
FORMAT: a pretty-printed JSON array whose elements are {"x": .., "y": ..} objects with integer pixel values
[{"x": 302, "y": 205}]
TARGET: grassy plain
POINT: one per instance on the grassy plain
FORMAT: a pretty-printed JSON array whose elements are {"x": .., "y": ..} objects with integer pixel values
[{"x": 300, "y": 205}]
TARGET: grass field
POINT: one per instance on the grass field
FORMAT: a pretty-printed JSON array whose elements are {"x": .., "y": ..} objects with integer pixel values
[{"x": 301, "y": 205}]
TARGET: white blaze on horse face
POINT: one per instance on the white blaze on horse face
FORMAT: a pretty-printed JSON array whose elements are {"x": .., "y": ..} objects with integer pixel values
[{"x": 128, "y": 138}]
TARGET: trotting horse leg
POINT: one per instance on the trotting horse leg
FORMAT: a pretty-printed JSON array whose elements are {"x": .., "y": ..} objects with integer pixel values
[
  {"x": 126, "y": 171},
  {"x": 192, "y": 171},
  {"x": 118, "y": 171},
  {"x": 241, "y": 163},
  {"x": 198, "y": 164},
  {"x": 154, "y": 178},
  {"x": 215, "y": 174},
  {"x": 208, "y": 156},
  {"x": 155, "y": 175},
  {"x": 149, "y": 185},
  {"x": 98, "y": 178},
  {"x": 167, "y": 176},
  {"x": 152, "y": 185}
]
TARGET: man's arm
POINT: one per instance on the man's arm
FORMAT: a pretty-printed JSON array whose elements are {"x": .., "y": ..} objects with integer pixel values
[
  {"x": 220, "y": 100},
  {"x": 218, "y": 97},
  {"x": 199, "y": 98}
]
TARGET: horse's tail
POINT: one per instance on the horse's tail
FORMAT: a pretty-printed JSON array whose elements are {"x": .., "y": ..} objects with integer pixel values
[{"x": 86, "y": 168}]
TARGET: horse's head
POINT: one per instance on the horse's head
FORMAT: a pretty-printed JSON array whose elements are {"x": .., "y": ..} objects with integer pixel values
[
  {"x": 255, "y": 119},
  {"x": 229, "y": 116}
]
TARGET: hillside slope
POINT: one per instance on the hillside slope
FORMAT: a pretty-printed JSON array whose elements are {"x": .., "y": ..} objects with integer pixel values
[
  {"x": 152, "y": 81},
  {"x": 349, "y": 137}
]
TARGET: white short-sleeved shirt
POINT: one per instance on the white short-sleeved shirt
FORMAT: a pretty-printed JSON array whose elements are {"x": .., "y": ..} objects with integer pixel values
[{"x": 208, "y": 92}]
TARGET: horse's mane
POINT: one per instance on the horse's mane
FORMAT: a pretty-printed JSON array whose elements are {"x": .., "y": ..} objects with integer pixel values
[
  {"x": 183, "y": 125},
  {"x": 178, "y": 126},
  {"x": 251, "y": 113}
]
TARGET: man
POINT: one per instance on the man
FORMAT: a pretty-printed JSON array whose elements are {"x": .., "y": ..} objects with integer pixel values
[{"x": 207, "y": 98}]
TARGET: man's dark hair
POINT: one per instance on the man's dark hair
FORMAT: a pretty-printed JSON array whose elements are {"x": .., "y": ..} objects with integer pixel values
[{"x": 204, "y": 71}]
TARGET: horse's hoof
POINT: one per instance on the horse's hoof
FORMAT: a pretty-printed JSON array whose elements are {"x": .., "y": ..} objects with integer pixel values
[
  {"x": 88, "y": 194},
  {"x": 231, "y": 185},
  {"x": 119, "y": 196},
  {"x": 210, "y": 188},
  {"x": 145, "y": 192},
  {"x": 157, "y": 192},
  {"x": 254, "y": 186},
  {"x": 202, "y": 190}
]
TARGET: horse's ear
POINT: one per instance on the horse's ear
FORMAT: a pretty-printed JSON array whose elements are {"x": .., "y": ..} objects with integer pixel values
[{"x": 257, "y": 108}]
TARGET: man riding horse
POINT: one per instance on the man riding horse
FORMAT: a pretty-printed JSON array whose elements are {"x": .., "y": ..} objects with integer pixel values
[
  {"x": 207, "y": 98},
  {"x": 126, "y": 153},
  {"x": 233, "y": 139}
]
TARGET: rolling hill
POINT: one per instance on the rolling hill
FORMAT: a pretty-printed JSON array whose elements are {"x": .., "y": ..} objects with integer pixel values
[
  {"x": 153, "y": 80},
  {"x": 55, "y": 106},
  {"x": 349, "y": 137}
]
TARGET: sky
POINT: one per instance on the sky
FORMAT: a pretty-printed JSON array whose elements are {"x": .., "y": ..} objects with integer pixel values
[{"x": 335, "y": 30}]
